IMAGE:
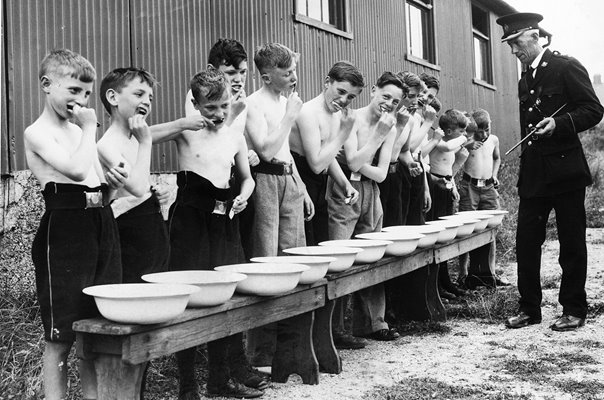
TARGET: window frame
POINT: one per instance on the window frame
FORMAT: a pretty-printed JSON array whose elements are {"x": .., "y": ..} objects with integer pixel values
[
  {"x": 477, "y": 35},
  {"x": 305, "y": 19},
  {"x": 428, "y": 35}
]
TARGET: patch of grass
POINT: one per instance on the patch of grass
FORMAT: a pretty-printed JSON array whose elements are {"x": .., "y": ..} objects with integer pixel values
[
  {"x": 595, "y": 309},
  {"x": 550, "y": 281},
  {"x": 420, "y": 328},
  {"x": 493, "y": 306},
  {"x": 540, "y": 368},
  {"x": 430, "y": 388},
  {"x": 585, "y": 343},
  {"x": 587, "y": 389}
]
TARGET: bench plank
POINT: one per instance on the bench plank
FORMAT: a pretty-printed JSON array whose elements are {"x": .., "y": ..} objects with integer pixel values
[{"x": 463, "y": 245}]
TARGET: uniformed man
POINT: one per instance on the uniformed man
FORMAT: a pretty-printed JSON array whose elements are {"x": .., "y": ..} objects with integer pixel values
[{"x": 557, "y": 101}]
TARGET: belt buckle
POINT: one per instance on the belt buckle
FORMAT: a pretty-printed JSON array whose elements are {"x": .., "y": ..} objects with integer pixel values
[
  {"x": 94, "y": 199},
  {"x": 355, "y": 176},
  {"x": 220, "y": 207},
  {"x": 481, "y": 182},
  {"x": 448, "y": 184},
  {"x": 392, "y": 168},
  {"x": 288, "y": 169}
]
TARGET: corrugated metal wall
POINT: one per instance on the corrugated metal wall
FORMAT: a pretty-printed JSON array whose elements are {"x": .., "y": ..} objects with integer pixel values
[{"x": 171, "y": 38}]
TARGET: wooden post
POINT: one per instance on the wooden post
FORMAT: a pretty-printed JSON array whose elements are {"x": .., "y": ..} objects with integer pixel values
[
  {"x": 294, "y": 353},
  {"x": 435, "y": 305},
  {"x": 327, "y": 354},
  {"x": 117, "y": 380}
]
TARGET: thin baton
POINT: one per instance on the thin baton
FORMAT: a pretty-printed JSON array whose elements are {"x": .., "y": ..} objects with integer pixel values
[{"x": 528, "y": 135}]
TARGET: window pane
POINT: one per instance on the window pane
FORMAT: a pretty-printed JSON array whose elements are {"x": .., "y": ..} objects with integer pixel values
[
  {"x": 325, "y": 11},
  {"x": 478, "y": 59},
  {"x": 301, "y": 7},
  {"x": 415, "y": 40},
  {"x": 314, "y": 9},
  {"x": 482, "y": 66}
]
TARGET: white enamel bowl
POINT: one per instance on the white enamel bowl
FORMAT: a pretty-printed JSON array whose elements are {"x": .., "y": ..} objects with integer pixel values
[
  {"x": 483, "y": 219},
  {"x": 141, "y": 303},
  {"x": 318, "y": 265},
  {"x": 402, "y": 242},
  {"x": 344, "y": 256},
  {"x": 373, "y": 250},
  {"x": 216, "y": 287},
  {"x": 450, "y": 229},
  {"x": 266, "y": 279},
  {"x": 430, "y": 233},
  {"x": 469, "y": 223},
  {"x": 494, "y": 221}
]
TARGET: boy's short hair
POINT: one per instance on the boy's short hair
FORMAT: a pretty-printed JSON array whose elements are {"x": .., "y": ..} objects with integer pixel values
[
  {"x": 452, "y": 119},
  {"x": 430, "y": 80},
  {"x": 67, "y": 62},
  {"x": 482, "y": 118},
  {"x": 210, "y": 84},
  {"x": 472, "y": 127},
  {"x": 410, "y": 79},
  {"x": 120, "y": 78},
  {"x": 227, "y": 52},
  {"x": 273, "y": 55},
  {"x": 344, "y": 71},
  {"x": 436, "y": 104},
  {"x": 388, "y": 78}
]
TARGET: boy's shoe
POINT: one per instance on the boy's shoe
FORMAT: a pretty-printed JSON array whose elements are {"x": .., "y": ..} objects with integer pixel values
[
  {"x": 250, "y": 377},
  {"x": 232, "y": 388},
  {"x": 348, "y": 342},
  {"x": 384, "y": 335},
  {"x": 521, "y": 320}
]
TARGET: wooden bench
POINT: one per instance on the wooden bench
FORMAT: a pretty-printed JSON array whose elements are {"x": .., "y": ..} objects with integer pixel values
[{"x": 304, "y": 343}]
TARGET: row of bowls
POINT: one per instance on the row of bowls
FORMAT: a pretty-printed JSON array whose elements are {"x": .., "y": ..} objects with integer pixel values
[{"x": 168, "y": 293}]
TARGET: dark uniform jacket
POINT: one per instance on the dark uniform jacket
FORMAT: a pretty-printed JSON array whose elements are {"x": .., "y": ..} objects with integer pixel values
[{"x": 556, "y": 164}]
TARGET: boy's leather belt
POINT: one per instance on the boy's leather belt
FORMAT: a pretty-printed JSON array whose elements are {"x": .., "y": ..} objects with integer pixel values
[
  {"x": 274, "y": 168},
  {"x": 75, "y": 200},
  {"x": 446, "y": 177},
  {"x": 478, "y": 182}
]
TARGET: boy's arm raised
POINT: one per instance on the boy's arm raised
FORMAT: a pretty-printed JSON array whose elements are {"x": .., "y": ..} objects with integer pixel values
[
  {"x": 137, "y": 183},
  {"x": 320, "y": 156},
  {"x": 75, "y": 166},
  {"x": 378, "y": 173},
  {"x": 268, "y": 143},
  {"x": 357, "y": 158},
  {"x": 451, "y": 145}
]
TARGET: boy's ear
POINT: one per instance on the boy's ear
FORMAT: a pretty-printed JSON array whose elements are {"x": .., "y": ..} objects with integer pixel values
[
  {"x": 210, "y": 67},
  {"x": 45, "y": 83},
  {"x": 195, "y": 105},
  {"x": 265, "y": 78},
  {"x": 111, "y": 96},
  {"x": 327, "y": 80}
]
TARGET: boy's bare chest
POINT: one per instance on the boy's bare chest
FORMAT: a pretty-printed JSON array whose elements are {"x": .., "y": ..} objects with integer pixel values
[{"x": 217, "y": 150}]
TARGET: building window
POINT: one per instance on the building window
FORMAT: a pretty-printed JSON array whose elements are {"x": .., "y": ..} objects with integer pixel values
[
  {"x": 483, "y": 69},
  {"x": 420, "y": 30},
  {"x": 329, "y": 15}
]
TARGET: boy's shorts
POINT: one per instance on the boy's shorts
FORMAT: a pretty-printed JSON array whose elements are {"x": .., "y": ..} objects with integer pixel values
[
  {"x": 75, "y": 247},
  {"x": 201, "y": 234},
  {"x": 144, "y": 241},
  {"x": 472, "y": 197}
]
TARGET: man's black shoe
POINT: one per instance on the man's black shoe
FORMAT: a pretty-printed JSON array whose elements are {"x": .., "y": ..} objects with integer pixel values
[
  {"x": 348, "y": 342},
  {"x": 384, "y": 335},
  {"x": 521, "y": 320},
  {"x": 567, "y": 323},
  {"x": 235, "y": 389}
]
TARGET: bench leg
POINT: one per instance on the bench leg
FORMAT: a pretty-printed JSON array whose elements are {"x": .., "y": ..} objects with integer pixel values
[
  {"x": 327, "y": 354},
  {"x": 294, "y": 353},
  {"x": 435, "y": 305},
  {"x": 117, "y": 380}
]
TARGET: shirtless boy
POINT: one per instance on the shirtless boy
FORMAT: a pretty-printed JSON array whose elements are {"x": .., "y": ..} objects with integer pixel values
[
  {"x": 77, "y": 243},
  {"x": 444, "y": 159},
  {"x": 478, "y": 191},
  {"x": 365, "y": 159},
  {"x": 322, "y": 126},
  {"x": 282, "y": 203},
  {"x": 202, "y": 233}
]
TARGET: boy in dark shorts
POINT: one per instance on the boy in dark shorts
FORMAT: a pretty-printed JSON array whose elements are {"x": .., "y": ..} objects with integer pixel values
[
  {"x": 204, "y": 227},
  {"x": 447, "y": 155},
  {"x": 127, "y": 94},
  {"x": 229, "y": 57},
  {"x": 77, "y": 243}
]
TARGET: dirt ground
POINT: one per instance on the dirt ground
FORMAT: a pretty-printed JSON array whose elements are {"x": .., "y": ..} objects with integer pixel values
[{"x": 480, "y": 359}]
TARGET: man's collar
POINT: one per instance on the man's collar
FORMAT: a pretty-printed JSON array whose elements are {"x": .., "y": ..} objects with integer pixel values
[{"x": 537, "y": 59}]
